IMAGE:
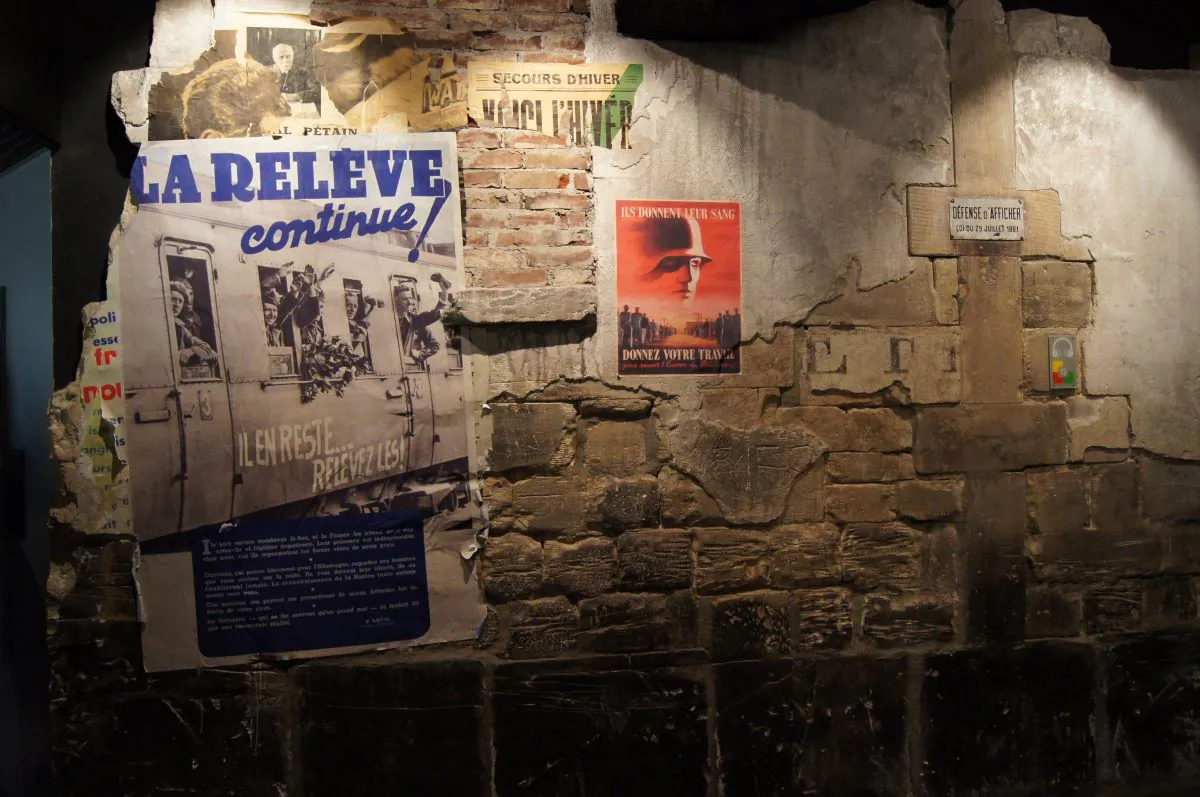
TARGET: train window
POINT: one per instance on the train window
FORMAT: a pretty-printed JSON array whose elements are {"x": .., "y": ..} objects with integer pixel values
[
  {"x": 281, "y": 332},
  {"x": 300, "y": 300},
  {"x": 358, "y": 307},
  {"x": 190, "y": 292},
  {"x": 418, "y": 341},
  {"x": 454, "y": 350}
]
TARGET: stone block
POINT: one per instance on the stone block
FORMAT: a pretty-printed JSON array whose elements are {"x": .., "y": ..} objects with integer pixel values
[
  {"x": 521, "y": 359},
  {"x": 186, "y": 733},
  {"x": 539, "y": 629},
  {"x": 523, "y": 305},
  {"x": 1033, "y": 32},
  {"x": 624, "y": 623},
  {"x": 511, "y": 568},
  {"x": 1079, "y": 37},
  {"x": 684, "y": 503},
  {"x": 929, "y": 499},
  {"x": 861, "y": 467},
  {"x": 867, "y": 503},
  {"x": 655, "y": 561},
  {"x": 741, "y": 407},
  {"x": 994, "y": 525},
  {"x": 991, "y": 316},
  {"x": 1058, "y": 500},
  {"x": 750, "y": 626},
  {"x": 534, "y": 436},
  {"x": 815, "y": 726},
  {"x": 1099, "y": 428},
  {"x": 1112, "y": 608},
  {"x": 820, "y": 620},
  {"x": 581, "y": 569},
  {"x": 1152, "y": 693},
  {"x": 908, "y": 302},
  {"x": 1092, "y": 556},
  {"x": 1170, "y": 491},
  {"x": 1055, "y": 293},
  {"x": 828, "y": 424},
  {"x": 923, "y": 362},
  {"x": 928, "y": 221},
  {"x": 749, "y": 473},
  {"x": 878, "y": 556},
  {"x": 993, "y": 437},
  {"x": 623, "y": 732},
  {"x": 878, "y": 430},
  {"x": 550, "y": 504},
  {"x": 805, "y": 556},
  {"x": 628, "y": 504},
  {"x": 1010, "y": 719},
  {"x": 1114, "y": 491},
  {"x": 806, "y": 504},
  {"x": 616, "y": 448},
  {"x": 367, "y": 729},
  {"x": 183, "y": 30},
  {"x": 765, "y": 363},
  {"x": 945, "y": 285},
  {"x": 731, "y": 560},
  {"x": 1168, "y": 600},
  {"x": 1051, "y": 611},
  {"x": 1181, "y": 545},
  {"x": 898, "y": 623},
  {"x": 625, "y": 409},
  {"x": 128, "y": 94}
]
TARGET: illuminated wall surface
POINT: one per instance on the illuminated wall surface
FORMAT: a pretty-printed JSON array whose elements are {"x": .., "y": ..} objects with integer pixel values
[{"x": 927, "y": 527}]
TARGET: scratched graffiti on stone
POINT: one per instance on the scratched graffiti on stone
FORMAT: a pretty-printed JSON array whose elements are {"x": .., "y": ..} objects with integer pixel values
[{"x": 748, "y": 473}]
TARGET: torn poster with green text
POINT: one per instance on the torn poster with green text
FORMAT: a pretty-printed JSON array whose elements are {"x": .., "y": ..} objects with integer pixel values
[
  {"x": 587, "y": 104},
  {"x": 295, "y": 420}
]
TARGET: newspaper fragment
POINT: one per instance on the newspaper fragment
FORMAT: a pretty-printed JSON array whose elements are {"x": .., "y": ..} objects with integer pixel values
[{"x": 358, "y": 76}]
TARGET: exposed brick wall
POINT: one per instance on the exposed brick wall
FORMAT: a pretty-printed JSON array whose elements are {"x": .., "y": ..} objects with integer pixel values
[{"x": 932, "y": 594}]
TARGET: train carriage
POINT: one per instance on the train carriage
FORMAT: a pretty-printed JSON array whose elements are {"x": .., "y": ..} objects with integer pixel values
[{"x": 259, "y": 381}]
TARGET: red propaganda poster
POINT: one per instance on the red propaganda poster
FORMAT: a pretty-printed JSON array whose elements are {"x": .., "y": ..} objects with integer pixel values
[{"x": 679, "y": 287}]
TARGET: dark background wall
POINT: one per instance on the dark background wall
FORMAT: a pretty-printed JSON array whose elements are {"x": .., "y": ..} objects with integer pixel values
[
  {"x": 54, "y": 77},
  {"x": 25, "y": 276},
  {"x": 1155, "y": 34},
  {"x": 91, "y": 168}
]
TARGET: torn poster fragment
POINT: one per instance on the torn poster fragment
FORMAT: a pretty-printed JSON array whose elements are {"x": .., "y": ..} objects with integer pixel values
[
  {"x": 588, "y": 104},
  {"x": 354, "y": 77},
  {"x": 297, "y": 406},
  {"x": 104, "y": 455}
]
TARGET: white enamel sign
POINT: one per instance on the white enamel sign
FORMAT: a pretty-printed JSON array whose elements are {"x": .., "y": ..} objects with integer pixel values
[{"x": 987, "y": 218}]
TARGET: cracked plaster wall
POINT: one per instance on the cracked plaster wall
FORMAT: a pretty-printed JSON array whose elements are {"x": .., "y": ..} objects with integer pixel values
[
  {"x": 1123, "y": 150},
  {"x": 815, "y": 133}
]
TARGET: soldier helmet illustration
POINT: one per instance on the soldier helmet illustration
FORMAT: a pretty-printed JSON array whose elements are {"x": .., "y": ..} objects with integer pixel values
[{"x": 674, "y": 238}]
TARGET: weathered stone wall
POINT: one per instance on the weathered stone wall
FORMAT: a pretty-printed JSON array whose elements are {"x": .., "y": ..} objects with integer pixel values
[{"x": 884, "y": 559}]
